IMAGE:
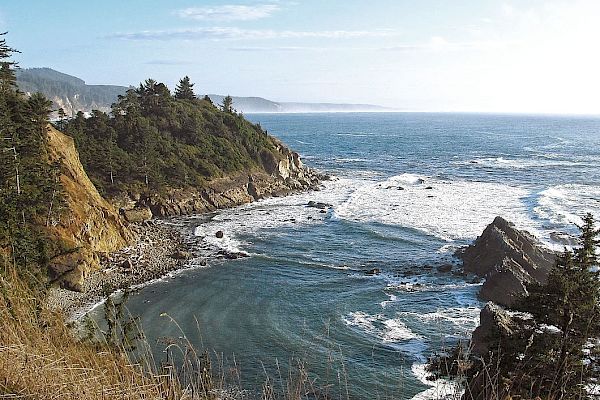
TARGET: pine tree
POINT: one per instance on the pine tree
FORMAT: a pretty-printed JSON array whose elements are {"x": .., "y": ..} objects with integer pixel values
[
  {"x": 62, "y": 117},
  {"x": 227, "y": 105},
  {"x": 556, "y": 352},
  {"x": 184, "y": 90},
  {"x": 8, "y": 80}
]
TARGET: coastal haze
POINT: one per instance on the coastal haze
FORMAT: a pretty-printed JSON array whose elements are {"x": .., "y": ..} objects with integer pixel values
[
  {"x": 493, "y": 56},
  {"x": 73, "y": 95}
]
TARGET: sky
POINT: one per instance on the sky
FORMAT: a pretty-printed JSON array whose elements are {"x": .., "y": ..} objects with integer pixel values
[{"x": 525, "y": 56}]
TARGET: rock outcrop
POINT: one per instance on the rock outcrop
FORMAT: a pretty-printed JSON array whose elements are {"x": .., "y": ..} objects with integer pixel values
[
  {"x": 508, "y": 259},
  {"x": 283, "y": 174},
  {"x": 495, "y": 323},
  {"x": 88, "y": 226}
]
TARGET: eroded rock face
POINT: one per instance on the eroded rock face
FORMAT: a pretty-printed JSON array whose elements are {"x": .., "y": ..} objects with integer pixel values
[
  {"x": 508, "y": 259},
  {"x": 495, "y": 323},
  {"x": 283, "y": 174},
  {"x": 89, "y": 227},
  {"x": 137, "y": 214},
  {"x": 496, "y": 326}
]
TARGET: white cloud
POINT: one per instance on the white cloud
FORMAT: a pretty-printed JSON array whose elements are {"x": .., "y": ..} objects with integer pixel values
[
  {"x": 229, "y": 12},
  {"x": 232, "y": 33},
  {"x": 438, "y": 43},
  {"x": 507, "y": 10},
  {"x": 277, "y": 49}
]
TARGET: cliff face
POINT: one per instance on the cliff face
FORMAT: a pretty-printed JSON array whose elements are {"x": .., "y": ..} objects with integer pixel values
[
  {"x": 283, "y": 173},
  {"x": 508, "y": 259},
  {"x": 89, "y": 225}
]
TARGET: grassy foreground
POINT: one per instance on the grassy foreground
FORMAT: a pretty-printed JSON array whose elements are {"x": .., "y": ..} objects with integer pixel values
[{"x": 41, "y": 359}]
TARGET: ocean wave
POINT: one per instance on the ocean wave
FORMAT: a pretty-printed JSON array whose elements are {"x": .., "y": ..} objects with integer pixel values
[
  {"x": 351, "y": 160},
  {"x": 565, "y": 204},
  {"x": 432, "y": 206},
  {"x": 388, "y": 330},
  {"x": 440, "y": 389},
  {"x": 508, "y": 163},
  {"x": 466, "y": 319}
]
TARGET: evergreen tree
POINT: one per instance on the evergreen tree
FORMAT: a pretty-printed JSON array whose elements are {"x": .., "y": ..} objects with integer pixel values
[
  {"x": 8, "y": 80},
  {"x": 62, "y": 117},
  {"x": 184, "y": 89},
  {"x": 227, "y": 105},
  {"x": 30, "y": 191},
  {"x": 554, "y": 357}
]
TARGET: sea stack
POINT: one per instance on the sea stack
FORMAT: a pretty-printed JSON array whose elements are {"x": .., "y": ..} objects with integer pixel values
[{"x": 508, "y": 259}]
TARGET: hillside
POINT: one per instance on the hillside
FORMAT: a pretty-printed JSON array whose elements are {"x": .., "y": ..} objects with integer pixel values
[
  {"x": 179, "y": 155},
  {"x": 260, "y": 105},
  {"x": 73, "y": 94},
  {"x": 68, "y": 92}
]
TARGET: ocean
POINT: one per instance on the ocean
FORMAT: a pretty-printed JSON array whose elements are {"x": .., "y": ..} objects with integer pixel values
[{"x": 407, "y": 190}]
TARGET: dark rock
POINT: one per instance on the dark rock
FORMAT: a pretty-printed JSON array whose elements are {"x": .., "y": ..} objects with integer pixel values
[
  {"x": 373, "y": 271},
  {"x": 127, "y": 265},
  {"x": 508, "y": 259},
  {"x": 428, "y": 188},
  {"x": 563, "y": 238},
  {"x": 219, "y": 234},
  {"x": 323, "y": 212},
  {"x": 321, "y": 206},
  {"x": 420, "y": 180},
  {"x": 445, "y": 268},
  {"x": 400, "y": 188},
  {"x": 494, "y": 323},
  {"x": 181, "y": 255}
]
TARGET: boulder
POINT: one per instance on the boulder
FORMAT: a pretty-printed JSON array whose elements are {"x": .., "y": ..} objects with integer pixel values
[
  {"x": 494, "y": 323},
  {"x": 138, "y": 214},
  {"x": 320, "y": 206},
  {"x": 127, "y": 265},
  {"x": 445, "y": 268},
  {"x": 181, "y": 255},
  {"x": 508, "y": 259},
  {"x": 74, "y": 280}
]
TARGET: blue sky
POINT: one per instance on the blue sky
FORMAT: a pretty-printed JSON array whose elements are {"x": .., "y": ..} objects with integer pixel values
[{"x": 426, "y": 55}]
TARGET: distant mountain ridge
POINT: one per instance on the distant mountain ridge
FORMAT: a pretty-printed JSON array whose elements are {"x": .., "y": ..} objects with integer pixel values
[
  {"x": 68, "y": 92},
  {"x": 261, "y": 105},
  {"x": 72, "y": 94}
]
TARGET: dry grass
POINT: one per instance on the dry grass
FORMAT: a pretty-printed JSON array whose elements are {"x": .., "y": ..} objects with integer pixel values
[{"x": 40, "y": 358}]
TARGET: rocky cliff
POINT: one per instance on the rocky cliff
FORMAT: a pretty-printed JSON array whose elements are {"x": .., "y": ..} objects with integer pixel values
[
  {"x": 283, "y": 174},
  {"x": 508, "y": 259},
  {"x": 89, "y": 225}
]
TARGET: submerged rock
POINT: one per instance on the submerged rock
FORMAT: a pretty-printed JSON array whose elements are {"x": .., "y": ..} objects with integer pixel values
[
  {"x": 508, "y": 259},
  {"x": 445, "y": 268},
  {"x": 373, "y": 271},
  {"x": 319, "y": 205}
]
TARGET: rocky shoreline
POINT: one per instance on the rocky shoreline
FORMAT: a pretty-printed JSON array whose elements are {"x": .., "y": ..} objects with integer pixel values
[{"x": 158, "y": 250}]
